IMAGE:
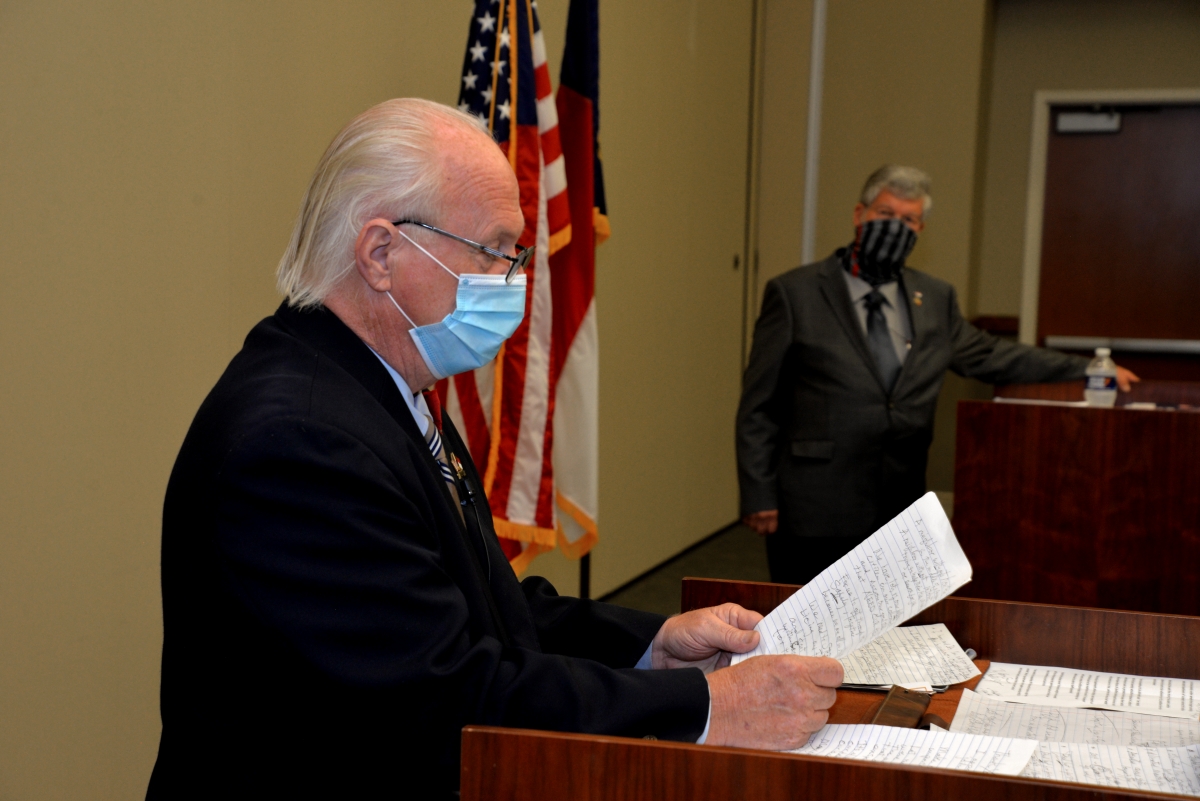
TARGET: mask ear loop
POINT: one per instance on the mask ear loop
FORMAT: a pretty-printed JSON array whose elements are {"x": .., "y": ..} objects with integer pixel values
[
  {"x": 430, "y": 255},
  {"x": 397, "y": 305},
  {"x": 453, "y": 274}
]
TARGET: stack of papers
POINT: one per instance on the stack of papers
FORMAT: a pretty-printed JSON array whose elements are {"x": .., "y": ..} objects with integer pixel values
[
  {"x": 1156, "y": 769},
  {"x": 850, "y": 612},
  {"x": 1156, "y": 752}
]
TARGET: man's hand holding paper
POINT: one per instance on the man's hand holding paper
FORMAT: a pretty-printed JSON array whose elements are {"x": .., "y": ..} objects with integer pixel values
[
  {"x": 705, "y": 638},
  {"x": 905, "y": 567},
  {"x": 774, "y": 703},
  {"x": 778, "y": 700}
]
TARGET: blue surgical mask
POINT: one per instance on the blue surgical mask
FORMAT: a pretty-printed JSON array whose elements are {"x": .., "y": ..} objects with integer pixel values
[{"x": 487, "y": 311}]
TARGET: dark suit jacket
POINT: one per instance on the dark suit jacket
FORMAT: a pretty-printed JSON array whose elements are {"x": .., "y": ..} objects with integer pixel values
[
  {"x": 330, "y": 624},
  {"x": 818, "y": 436}
]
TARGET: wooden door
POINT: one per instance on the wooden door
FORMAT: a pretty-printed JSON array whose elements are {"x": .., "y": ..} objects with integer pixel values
[{"x": 1121, "y": 234}]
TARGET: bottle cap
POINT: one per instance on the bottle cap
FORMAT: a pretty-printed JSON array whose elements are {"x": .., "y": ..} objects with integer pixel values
[{"x": 1102, "y": 352}]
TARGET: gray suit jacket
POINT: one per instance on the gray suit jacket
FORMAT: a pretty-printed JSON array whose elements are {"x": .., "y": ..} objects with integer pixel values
[{"x": 818, "y": 437}]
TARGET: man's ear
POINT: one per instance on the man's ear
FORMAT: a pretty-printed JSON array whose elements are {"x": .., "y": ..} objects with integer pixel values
[{"x": 376, "y": 239}]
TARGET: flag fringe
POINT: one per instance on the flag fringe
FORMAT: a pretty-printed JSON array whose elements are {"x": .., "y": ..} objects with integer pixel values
[
  {"x": 523, "y": 532},
  {"x": 560, "y": 240},
  {"x": 532, "y": 551},
  {"x": 581, "y": 546},
  {"x": 600, "y": 224}
]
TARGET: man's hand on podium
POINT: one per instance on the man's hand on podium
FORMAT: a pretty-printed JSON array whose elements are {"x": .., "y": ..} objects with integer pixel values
[
  {"x": 1125, "y": 379},
  {"x": 772, "y": 702}
]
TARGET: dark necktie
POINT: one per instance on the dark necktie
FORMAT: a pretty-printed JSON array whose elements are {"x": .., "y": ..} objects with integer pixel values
[
  {"x": 880, "y": 341},
  {"x": 433, "y": 438},
  {"x": 449, "y": 467}
]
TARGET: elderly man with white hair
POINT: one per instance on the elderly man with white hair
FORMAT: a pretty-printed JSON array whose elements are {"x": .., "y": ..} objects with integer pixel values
[
  {"x": 336, "y": 605},
  {"x": 838, "y": 397}
]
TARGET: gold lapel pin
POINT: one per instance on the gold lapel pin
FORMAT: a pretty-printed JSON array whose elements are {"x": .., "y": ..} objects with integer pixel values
[{"x": 917, "y": 298}]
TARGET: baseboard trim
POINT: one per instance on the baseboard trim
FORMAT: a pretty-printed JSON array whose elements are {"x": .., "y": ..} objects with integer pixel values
[{"x": 606, "y": 596}]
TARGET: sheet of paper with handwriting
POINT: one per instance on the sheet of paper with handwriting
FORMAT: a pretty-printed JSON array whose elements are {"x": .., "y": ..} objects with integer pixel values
[
  {"x": 930, "y": 749},
  {"x": 909, "y": 564},
  {"x": 916, "y": 657},
  {"x": 1055, "y": 686},
  {"x": 979, "y": 714},
  {"x": 1160, "y": 770}
]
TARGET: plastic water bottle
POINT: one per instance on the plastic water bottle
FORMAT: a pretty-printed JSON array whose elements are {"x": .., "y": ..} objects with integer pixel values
[{"x": 1101, "y": 387}]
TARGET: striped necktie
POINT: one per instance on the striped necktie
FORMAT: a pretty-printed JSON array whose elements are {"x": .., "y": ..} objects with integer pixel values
[{"x": 433, "y": 438}]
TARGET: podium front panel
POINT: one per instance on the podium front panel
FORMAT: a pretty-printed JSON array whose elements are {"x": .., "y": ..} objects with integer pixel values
[{"x": 1080, "y": 506}]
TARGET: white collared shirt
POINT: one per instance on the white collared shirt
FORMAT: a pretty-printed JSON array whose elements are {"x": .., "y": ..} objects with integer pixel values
[{"x": 416, "y": 401}]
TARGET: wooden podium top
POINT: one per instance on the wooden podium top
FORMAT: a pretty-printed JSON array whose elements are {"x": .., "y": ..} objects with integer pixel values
[{"x": 500, "y": 763}]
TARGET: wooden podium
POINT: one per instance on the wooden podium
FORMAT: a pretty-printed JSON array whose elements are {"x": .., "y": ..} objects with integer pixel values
[
  {"x": 521, "y": 764},
  {"x": 1080, "y": 506}
]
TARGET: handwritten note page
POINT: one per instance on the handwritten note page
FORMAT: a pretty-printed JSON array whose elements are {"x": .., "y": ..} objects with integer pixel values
[
  {"x": 1053, "y": 686},
  {"x": 912, "y": 656},
  {"x": 908, "y": 565},
  {"x": 928, "y": 749},
  {"x": 1162, "y": 770},
  {"x": 978, "y": 714}
]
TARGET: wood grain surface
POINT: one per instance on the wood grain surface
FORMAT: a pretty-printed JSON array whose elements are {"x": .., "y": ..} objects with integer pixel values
[
  {"x": 1088, "y": 507},
  {"x": 523, "y": 765}
]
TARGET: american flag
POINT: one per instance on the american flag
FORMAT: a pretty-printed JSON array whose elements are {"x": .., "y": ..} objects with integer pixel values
[{"x": 506, "y": 409}]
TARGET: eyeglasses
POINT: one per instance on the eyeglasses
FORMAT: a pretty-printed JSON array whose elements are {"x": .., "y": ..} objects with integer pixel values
[{"x": 517, "y": 262}]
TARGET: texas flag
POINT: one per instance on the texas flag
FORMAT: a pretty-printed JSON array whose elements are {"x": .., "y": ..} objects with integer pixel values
[{"x": 576, "y": 355}]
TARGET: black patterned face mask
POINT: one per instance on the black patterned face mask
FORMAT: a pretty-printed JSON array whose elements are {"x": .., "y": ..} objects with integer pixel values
[{"x": 879, "y": 249}]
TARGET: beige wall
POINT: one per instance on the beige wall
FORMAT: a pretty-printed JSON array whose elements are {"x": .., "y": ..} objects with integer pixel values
[
  {"x": 787, "y": 53},
  {"x": 902, "y": 86},
  {"x": 1064, "y": 44},
  {"x": 152, "y": 158},
  {"x": 674, "y": 140}
]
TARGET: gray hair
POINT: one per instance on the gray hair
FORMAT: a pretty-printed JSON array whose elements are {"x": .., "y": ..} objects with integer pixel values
[
  {"x": 383, "y": 164},
  {"x": 903, "y": 182}
]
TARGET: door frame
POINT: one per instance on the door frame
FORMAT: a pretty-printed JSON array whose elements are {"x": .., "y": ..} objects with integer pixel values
[{"x": 1035, "y": 201}]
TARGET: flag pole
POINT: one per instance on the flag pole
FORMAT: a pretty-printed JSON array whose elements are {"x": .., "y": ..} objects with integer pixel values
[{"x": 585, "y": 576}]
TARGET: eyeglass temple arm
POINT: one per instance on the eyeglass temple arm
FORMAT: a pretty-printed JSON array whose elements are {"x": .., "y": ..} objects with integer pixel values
[{"x": 490, "y": 251}]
